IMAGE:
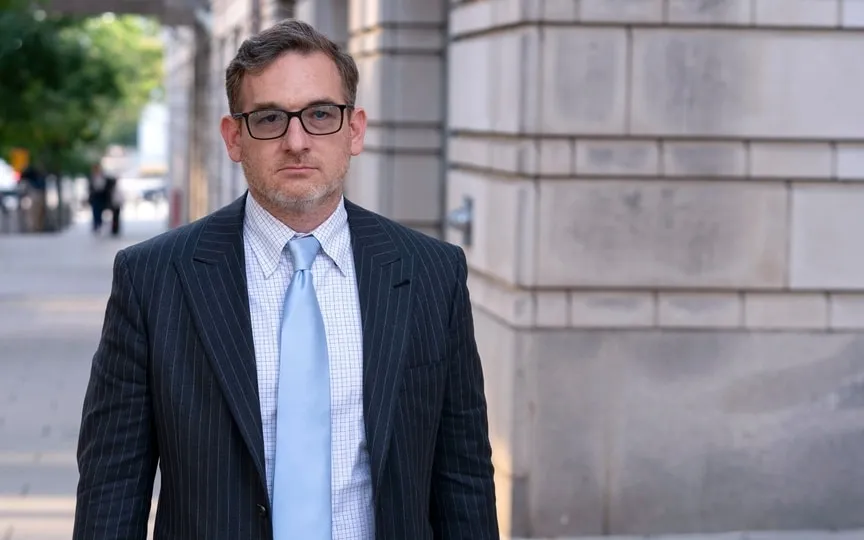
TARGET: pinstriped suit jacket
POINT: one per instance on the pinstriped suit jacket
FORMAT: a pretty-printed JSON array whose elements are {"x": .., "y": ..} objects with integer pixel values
[{"x": 173, "y": 383}]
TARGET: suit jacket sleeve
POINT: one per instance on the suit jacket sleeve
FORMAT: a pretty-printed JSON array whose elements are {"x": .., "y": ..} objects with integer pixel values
[
  {"x": 463, "y": 491},
  {"x": 117, "y": 452}
]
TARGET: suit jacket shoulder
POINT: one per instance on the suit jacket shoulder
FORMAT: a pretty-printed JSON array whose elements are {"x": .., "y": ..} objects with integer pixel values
[
  {"x": 183, "y": 241},
  {"x": 429, "y": 254},
  {"x": 151, "y": 263}
]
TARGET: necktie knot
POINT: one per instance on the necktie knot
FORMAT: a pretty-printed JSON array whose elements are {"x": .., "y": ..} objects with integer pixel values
[{"x": 303, "y": 251}]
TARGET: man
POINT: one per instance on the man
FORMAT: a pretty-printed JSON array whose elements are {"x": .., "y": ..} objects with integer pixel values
[
  {"x": 115, "y": 203},
  {"x": 100, "y": 189},
  {"x": 36, "y": 186},
  {"x": 299, "y": 367}
]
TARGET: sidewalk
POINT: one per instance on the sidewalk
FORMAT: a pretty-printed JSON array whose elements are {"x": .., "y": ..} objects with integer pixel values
[{"x": 53, "y": 289}]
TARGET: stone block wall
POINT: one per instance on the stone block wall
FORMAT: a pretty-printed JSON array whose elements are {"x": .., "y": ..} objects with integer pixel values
[
  {"x": 400, "y": 50},
  {"x": 665, "y": 263}
]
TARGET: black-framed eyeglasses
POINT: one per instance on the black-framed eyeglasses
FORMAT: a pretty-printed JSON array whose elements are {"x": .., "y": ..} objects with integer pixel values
[{"x": 267, "y": 124}]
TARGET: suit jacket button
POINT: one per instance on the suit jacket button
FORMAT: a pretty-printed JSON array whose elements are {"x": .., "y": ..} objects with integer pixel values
[{"x": 262, "y": 510}]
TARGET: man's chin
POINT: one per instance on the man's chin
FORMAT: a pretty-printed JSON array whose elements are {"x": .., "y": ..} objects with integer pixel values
[{"x": 302, "y": 200}]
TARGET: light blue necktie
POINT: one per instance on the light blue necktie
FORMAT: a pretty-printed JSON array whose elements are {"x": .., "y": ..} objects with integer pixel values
[{"x": 301, "y": 471}]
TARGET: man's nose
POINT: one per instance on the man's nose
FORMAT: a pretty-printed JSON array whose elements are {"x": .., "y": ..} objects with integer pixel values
[{"x": 296, "y": 138}]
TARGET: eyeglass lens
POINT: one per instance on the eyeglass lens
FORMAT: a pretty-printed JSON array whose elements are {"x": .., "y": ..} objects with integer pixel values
[{"x": 317, "y": 120}]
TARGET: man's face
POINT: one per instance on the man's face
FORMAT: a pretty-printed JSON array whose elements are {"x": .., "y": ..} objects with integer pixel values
[{"x": 297, "y": 171}]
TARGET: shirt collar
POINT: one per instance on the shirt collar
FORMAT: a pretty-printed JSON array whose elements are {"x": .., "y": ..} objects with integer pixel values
[{"x": 269, "y": 236}]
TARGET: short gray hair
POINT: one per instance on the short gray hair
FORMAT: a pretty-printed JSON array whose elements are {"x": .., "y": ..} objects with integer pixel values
[{"x": 290, "y": 35}]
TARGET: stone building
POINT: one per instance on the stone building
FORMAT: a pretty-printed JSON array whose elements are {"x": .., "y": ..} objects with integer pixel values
[{"x": 665, "y": 243}]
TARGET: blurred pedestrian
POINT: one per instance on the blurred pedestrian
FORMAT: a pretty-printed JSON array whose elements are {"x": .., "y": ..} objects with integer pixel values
[
  {"x": 115, "y": 203},
  {"x": 97, "y": 184},
  {"x": 35, "y": 186},
  {"x": 102, "y": 191}
]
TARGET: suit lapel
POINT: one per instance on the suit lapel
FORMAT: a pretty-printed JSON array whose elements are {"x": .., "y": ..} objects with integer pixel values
[
  {"x": 384, "y": 284},
  {"x": 214, "y": 279}
]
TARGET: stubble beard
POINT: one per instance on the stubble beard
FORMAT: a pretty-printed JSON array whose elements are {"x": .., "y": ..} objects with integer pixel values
[{"x": 270, "y": 195}]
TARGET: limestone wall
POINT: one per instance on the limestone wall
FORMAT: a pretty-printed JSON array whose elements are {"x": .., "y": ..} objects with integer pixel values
[
  {"x": 400, "y": 48},
  {"x": 665, "y": 258}
]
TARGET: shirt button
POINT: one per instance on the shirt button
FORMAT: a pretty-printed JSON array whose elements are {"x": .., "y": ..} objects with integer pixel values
[{"x": 262, "y": 510}]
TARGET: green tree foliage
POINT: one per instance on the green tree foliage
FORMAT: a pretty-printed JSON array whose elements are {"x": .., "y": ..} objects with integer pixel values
[
  {"x": 131, "y": 45},
  {"x": 70, "y": 86}
]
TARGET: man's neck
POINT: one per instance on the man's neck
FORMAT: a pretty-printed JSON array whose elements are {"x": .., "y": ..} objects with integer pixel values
[{"x": 303, "y": 220}]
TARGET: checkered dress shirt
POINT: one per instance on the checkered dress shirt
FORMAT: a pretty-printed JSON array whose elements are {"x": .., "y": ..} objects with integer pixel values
[{"x": 269, "y": 269}]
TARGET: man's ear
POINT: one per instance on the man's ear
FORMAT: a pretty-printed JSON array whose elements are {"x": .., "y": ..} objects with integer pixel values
[
  {"x": 231, "y": 134},
  {"x": 357, "y": 130}
]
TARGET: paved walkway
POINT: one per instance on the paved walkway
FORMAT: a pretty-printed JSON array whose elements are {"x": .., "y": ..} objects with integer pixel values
[{"x": 53, "y": 290}]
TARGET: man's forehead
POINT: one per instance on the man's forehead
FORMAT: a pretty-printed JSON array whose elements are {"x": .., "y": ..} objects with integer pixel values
[{"x": 294, "y": 80}]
